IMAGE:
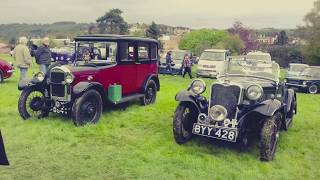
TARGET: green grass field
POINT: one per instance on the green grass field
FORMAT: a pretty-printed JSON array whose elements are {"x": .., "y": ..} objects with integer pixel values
[{"x": 137, "y": 143}]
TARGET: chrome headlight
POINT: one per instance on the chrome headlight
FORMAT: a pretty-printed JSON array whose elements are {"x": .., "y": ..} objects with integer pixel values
[
  {"x": 198, "y": 86},
  {"x": 39, "y": 76},
  {"x": 218, "y": 113},
  {"x": 285, "y": 80},
  {"x": 304, "y": 83},
  {"x": 254, "y": 92},
  {"x": 69, "y": 78}
]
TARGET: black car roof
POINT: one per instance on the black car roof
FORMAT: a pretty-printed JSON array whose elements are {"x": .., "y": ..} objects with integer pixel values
[{"x": 114, "y": 37}]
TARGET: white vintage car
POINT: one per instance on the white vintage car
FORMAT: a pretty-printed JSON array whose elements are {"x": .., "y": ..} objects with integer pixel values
[{"x": 212, "y": 62}]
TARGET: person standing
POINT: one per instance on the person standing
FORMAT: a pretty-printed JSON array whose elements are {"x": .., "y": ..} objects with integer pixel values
[
  {"x": 22, "y": 57},
  {"x": 169, "y": 61},
  {"x": 187, "y": 64},
  {"x": 43, "y": 55}
]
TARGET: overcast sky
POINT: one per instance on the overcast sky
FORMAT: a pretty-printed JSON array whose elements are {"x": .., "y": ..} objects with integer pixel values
[{"x": 189, "y": 13}]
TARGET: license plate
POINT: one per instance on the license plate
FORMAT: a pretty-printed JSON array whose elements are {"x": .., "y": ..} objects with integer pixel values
[{"x": 217, "y": 132}]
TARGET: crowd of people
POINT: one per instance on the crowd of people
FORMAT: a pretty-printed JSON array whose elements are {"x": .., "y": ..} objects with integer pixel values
[
  {"x": 23, "y": 58},
  {"x": 186, "y": 67}
]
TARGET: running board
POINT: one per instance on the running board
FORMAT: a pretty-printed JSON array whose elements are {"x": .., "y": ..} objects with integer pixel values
[{"x": 129, "y": 98}]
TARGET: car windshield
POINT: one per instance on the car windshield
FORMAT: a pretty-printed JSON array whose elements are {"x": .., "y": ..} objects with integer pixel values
[
  {"x": 96, "y": 53},
  {"x": 311, "y": 72},
  {"x": 259, "y": 57},
  {"x": 297, "y": 67},
  {"x": 178, "y": 55},
  {"x": 252, "y": 69},
  {"x": 213, "y": 56}
]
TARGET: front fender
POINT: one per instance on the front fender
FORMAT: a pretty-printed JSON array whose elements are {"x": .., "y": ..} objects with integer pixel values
[
  {"x": 187, "y": 96},
  {"x": 29, "y": 83},
  {"x": 268, "y": 107}
]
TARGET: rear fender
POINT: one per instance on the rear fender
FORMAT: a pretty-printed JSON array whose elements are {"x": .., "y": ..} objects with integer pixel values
[{"x": 153, "y": 77}]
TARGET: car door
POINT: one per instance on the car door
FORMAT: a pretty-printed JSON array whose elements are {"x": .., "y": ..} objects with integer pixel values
[
  {"x": 127, "y": 67},
  {"x": 143, "y": 62}
]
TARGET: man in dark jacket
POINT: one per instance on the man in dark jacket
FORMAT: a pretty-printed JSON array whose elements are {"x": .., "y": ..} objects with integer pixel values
[
  {"x": 169, "y": 61},
  {"x": 43, "y": 55}
]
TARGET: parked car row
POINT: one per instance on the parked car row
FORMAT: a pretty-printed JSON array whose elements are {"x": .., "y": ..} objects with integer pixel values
[{"x": 248, "y": 101}]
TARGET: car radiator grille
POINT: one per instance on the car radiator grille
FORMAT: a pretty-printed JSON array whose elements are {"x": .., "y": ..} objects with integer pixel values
[
  {"x": 57, "y": 77},
  {"x": 226, "y": 96},
  {"x": 57, "y": 86}
]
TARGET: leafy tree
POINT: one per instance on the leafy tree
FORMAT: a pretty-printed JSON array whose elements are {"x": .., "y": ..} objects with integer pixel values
[
  {"x": 93, "y": 29},
  {"x": 139, "y": 33},
  {"x": 153, "y": 31},
  {"x": 203, "y": 38},
  {"x": 247, "y": 36},
  {"x": 282, "y": 38},
  {"x": 201, "y": 47},
  {"x": 232, "y": 43},
  {"x": 312, "y": 26},
  {"x": 112, "y": 23}
]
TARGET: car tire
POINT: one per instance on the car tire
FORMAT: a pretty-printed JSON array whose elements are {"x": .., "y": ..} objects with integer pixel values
[
  {"x": 30, "y": 104},
  {"x": 1, "y": 77},
  {"x": 184, "y": 117},
  {"x": 87, "y": 108},
  {"x": 313, "y": 89},
  {"x": 150, "y": 93},
  {"x": 269, "y": 137}
]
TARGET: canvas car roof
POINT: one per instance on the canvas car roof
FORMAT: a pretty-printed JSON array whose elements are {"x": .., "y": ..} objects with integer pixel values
[{"x": 113, "y": 37}]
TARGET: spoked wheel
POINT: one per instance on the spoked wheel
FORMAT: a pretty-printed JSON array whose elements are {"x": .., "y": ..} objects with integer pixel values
[
  {"x": 87, "y": 108},
  {"x": 150, "y": 93},
  {"x": 313, "y": 89},
  {"x": 32, "y": 104},
  {"x": 269, "y": 137},
  {"x": 183, "y": 120}
]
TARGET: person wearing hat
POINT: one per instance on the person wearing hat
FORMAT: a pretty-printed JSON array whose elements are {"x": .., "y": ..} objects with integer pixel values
[
  {"x": 22, "y": 57},
  {"x": 43, "y": 55}
]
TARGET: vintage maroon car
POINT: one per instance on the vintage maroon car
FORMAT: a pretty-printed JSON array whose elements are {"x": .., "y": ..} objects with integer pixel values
[
  {"x": 6, "y": 70},
  {"x": 125, "y": 69}
]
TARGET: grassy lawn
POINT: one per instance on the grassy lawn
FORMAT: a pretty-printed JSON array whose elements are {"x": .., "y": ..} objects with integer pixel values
[{"x": 137, "y": 143}]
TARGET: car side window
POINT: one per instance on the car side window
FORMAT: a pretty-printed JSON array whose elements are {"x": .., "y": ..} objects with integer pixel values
[
  {"x": 143, "y": 52},
  {"x": 154, "y": 51},
  {"x": 127, "y": 52}
]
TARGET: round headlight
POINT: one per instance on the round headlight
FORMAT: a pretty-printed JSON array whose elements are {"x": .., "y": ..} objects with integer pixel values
[
  {"x": 285, "y": 80},
  {"x": 69, "y": 78},
  {"x": 61, "y": 58},
  {"x": 218, "y": 113},
  {"x": 304, "y": 83},
  {"x": 254, "y": 92},
  {"x": 39, "y": 76},
  {"x": 198, "y": 86}
]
